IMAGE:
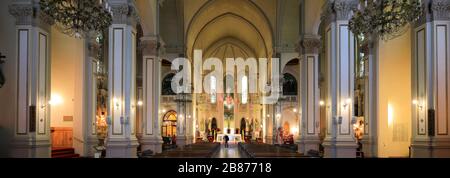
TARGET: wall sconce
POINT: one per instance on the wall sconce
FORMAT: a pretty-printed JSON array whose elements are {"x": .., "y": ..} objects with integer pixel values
[
  {"x": 347, "y": 103},
  {"x": 278, "y": 115},
  {"x": 140, "y": 103},
  {"x": 268, "y": 115},
  {"x": 116, "y": 103},
  {"x": 295, "y": 110},
  {"x": 321, "y": 103},
  {"x": 420, "y": 105},
  {"x": 189, "y": 116}
]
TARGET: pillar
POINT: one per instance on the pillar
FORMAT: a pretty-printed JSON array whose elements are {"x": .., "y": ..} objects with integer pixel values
[
  {"x": 151, "y": 135},
  {"x": 32, "y": 122},
  {"x": 310, "y": 94},
  {"x": 184, "y": 103},
  {"x": 121, "y": 141},
  {"x": 430, "y": 86},
  {"x": 85, "y": 132},
  {"x": 340, "y": 50},
  {"x": 370, "y": 138}
]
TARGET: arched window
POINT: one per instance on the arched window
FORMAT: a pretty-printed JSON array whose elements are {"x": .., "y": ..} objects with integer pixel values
[
  {"x": 167, "y": 85},
  {"x": 229, "y": 84},
  {"x": 169, "y": 125},
  {"x": 289, "y": 85},
  {"x": 244, "y": 90},
  {"x": 213, "y": 85}
]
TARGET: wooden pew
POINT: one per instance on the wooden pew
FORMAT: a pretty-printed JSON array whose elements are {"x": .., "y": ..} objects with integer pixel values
[
  {"x": 268, "y": 151},
  {"x": 198, "y": 150}
]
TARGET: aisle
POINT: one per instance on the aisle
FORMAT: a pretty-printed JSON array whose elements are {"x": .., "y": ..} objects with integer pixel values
[{"x": 231, "y": 152}]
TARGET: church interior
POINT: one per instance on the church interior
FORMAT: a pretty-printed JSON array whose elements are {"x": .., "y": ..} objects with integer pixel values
[{"x": 68, "y": 92}]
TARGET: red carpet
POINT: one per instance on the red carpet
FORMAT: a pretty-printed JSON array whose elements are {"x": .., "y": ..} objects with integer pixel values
[{"x": 64, "y": 153}]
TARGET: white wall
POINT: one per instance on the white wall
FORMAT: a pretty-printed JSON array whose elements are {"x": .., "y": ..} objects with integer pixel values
[
  {"x": 394, "y": 117},
  {"x": 65, "y": 52}
]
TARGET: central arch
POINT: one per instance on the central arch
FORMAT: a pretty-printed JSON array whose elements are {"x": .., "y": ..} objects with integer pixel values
[{"x": 217, "y": 20}]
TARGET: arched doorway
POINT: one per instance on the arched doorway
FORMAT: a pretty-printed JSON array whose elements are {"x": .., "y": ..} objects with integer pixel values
[
  {"x": 166, "y": 88},
  {"x": 289, "y": 85},
  {"x": 169, "y": 125}
]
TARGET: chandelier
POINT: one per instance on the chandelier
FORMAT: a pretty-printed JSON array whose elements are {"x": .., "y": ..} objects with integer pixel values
[
  {"x": 386, "y": 18},
  {"x": 77, "y": 18}
]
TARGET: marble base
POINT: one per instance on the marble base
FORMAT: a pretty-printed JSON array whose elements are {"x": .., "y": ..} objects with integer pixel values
[
  {"x": 340, "y": 148},
  {"x": 431, "y": 148},
  {"x": 27, "y": 148},
  {"x": 308, "y": 143},
  {"x": 151, "y": 143},
  {"x": 121, "y": 148}
]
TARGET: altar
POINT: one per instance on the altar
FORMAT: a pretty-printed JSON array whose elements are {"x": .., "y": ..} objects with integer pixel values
[{"x": 233, "y": 137}]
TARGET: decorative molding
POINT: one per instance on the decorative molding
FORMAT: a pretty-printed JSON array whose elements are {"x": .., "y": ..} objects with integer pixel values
[
  {"x": 27, "y": 14},
  {"x": 92, "y": 45},
  {"x": 124, "y": 14},
  {"x": 149, "y": 46},
  {"x": 310, "y": 44},
  {"x": 22, "y": 12},
  {"x": 337, "y": 10},
  {"x": 440, "y": 9},
  {"x": 343, "y": 8}
]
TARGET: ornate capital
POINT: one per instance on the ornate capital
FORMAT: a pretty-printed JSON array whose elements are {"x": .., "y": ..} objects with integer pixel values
[
  {"x": 149, "y": 46},
  {"x": 310, "y": 44},
  {"x": 28, "y": 14},
  {"x": 92, "y": 45},
  {"x": 338, "y": 10},
  {"x": 124, "y": 14},
  {"x": 440, "y": 9},
  {"x": 344, "y": 8},
  {"x": 93, "y": 49},
  {"x": 22, "y": 12}
]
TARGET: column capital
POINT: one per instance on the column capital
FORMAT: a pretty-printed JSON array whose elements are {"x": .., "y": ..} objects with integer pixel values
[
  {"x": 338, "y": 10},
  {"x": 149, "y": 46},
  {"x": 124, "y": 13},
  {"x": 93, "y": 47},
  {"x": 440, "y": 9},
  {"x": 343, "y": 8},
  {"x": 309, "y": 44},
  {"x": 29, "y": 14}
]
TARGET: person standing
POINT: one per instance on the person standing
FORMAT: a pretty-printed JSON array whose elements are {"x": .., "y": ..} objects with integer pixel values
[{"x": 226, "y": 139}]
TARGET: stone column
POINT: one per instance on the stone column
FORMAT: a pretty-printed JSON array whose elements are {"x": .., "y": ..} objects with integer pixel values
[
  {"x": 151, "y": 135},
  {"x": 370, "y": 138},
  {"x": 430, "y": 82},
  {"x": 184, "y": 102},
  {"x": 310, "y": 94},
  {"x": 121, "y": 141},
  {"x": 340, "y": 50},
  {"x": 85, "y": 133},
  {"x": 32, "y": 123}
]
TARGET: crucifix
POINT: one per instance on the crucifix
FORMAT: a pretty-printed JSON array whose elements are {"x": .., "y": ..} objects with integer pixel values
[{"x": 2, "y": 77}]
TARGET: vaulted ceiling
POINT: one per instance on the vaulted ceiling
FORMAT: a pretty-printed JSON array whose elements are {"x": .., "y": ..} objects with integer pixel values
[{"x": 250, "y": 27}]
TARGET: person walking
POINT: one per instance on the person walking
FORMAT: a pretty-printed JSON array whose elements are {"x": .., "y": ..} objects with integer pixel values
[{"x": 226, "y": 139}]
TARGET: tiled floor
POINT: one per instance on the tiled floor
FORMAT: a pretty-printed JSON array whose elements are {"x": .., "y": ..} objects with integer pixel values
[{"x": 231, "y": 152}]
